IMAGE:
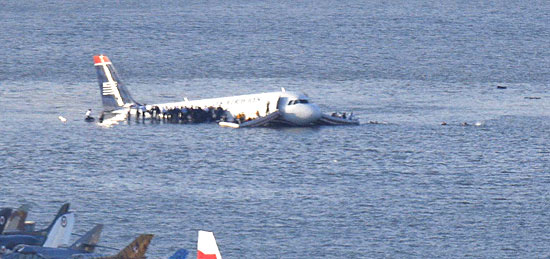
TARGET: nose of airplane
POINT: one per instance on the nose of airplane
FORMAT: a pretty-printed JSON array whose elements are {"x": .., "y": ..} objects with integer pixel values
[
  {"x": 315, "y": 112},
  {"x": 309, "y": 113},
  {"x": 301, "y": 114}
]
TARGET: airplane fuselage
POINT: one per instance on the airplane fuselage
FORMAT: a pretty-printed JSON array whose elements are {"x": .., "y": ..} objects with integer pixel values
[
  {"x": 294, "y": 108},
  {"x": 10, "y": 241}
]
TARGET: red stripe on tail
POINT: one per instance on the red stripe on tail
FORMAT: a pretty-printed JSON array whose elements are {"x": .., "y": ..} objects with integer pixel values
[
  {"x": 101, "y": 59},
  {"x": 201, "y": 255},
  {"x": 97, "y": 60}
]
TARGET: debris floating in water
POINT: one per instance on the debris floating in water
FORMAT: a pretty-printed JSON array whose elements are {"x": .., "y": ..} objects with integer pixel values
[
  {"x": 532, "y": 97},
  {"x": 477, "y": 124},
  {"x": 62, "y": 119},
  {"x": 377, "y": 122},
  {"x": 501, "y": 87}
]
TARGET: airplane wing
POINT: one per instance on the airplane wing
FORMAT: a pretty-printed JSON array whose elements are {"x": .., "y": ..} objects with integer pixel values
[
  {"x": 260, "y": 121},
  {"x": 334, "y": 120},
  {"x": 113, "y": 118}
]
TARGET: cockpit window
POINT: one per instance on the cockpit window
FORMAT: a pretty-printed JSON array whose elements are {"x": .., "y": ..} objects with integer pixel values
[{"x": 292, "y": 102}]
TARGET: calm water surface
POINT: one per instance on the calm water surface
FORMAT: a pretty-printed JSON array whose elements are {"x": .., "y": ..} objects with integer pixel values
[{"x": 406, "y": 187}]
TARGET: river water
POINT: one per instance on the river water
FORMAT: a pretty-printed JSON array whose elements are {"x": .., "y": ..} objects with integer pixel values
[{"x": 405, "y": 186}]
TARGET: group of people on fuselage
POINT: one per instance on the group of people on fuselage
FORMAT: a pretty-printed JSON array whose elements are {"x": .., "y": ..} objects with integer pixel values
[{"x": 182, "y": 114}]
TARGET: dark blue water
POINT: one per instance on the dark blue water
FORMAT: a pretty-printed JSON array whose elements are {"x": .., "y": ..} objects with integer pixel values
[{"x": 408, "y": 187}]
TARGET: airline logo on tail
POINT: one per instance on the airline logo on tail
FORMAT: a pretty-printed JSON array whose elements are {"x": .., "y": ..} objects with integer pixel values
[
  {"x": 110, "y": 88},
  {"x": 207, "y": 247}
]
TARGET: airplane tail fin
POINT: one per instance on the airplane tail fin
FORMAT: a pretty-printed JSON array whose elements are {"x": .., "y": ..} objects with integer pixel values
[
  {"x": 62, "y": 211},
  {"x": 180, "y": 254},
  {"x": 59, "y": 233},
  {"x": 16, "y": 222},
  {"x": 5, "y": 214},
  {"x": 114, "y": 94},
  {"x": 207, "y": 247},
  {"x": 88, "y": 241},
  {"x": 137, "y": 248}
]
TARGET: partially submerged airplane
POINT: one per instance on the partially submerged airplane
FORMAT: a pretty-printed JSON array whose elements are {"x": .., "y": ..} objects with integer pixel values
[
  {"x": 283, "y": 108},
  {"x": 58, "y": 233}
]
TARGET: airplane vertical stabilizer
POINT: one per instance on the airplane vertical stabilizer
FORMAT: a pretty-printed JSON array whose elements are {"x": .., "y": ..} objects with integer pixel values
[
  {"x": 114, "y": 94},
  {"x": 63, "y": 210},
  {"x": 88, "y": 241},
  {"x": 60, "y": 233},
  {"x": 136, "y": 249},
  {"x": 16, "y": 222},
  {"x": 180, "y": 254},
  {"x": 5, "y": 214},
  {"x": 207, "y": 247}
]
